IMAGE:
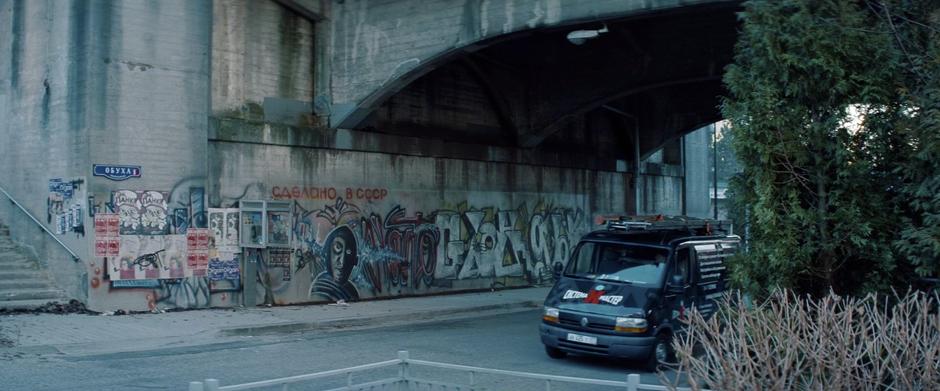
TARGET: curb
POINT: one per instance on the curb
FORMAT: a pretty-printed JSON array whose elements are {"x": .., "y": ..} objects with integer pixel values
[{"x": 293, "y": 327}]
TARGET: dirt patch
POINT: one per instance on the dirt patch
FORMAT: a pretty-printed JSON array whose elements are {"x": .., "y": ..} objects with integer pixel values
[{"x": 54, "y": 307}]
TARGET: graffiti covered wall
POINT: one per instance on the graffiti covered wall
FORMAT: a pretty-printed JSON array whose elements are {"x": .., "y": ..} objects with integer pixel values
[
  {"x": 356, "y": 225},
  {"x": 352, "y": 251},
  {"x": 367, "y": 225},
  {"x": 149, "y": 258}
]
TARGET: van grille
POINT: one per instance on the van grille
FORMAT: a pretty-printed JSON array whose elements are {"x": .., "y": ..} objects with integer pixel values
[
  {"x": 572, "y": 323},
  {"x": 581, "y": 347}
]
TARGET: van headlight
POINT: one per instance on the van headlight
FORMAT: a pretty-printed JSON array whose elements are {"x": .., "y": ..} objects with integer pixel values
[
  {"x": 550, "y": 315},
  {"x": 630, "y": 325}
]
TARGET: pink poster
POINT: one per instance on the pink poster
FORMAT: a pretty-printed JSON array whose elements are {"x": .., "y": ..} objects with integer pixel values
[
  {"x": 101, "y": 225},
  {"x": 114, "y": 225},
  {"x": 114, "y": 247},
  {"x": 202, "y": 241},
  {"x": 107, "y": 241},
  {"x": 192, "y": 238},
  {"x": 101, "y": 247}
]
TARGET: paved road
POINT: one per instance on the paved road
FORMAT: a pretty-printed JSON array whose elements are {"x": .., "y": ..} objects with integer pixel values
[{"x": 508, "y": 341}]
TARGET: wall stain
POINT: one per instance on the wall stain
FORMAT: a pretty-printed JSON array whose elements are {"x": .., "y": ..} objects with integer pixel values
[
  {"x": 44, "y": 118},
  {"x": 17, "y": 48}
]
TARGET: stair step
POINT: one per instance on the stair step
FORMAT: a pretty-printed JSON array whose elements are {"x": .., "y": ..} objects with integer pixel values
[
  {"x": 14, "y": 258},
  {"x": 15, "y": 266},
  {"x": 8, "y": 275},
  {"x": 31, "y": 294},
  {"x": 24, "y": 283},
  {"x": 19, "y": 284}
]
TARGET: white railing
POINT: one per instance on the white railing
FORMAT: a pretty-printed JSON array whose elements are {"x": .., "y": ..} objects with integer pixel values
[
  {"x": 75, "y": 257},
  {"x": 404, "y": 380}
]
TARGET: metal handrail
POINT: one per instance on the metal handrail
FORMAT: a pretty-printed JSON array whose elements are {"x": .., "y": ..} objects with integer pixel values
[{"x": 75, "y": 257}]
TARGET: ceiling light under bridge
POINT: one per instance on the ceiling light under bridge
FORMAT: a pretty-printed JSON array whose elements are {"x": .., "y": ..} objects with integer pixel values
[{"x": 579, "y": 37}]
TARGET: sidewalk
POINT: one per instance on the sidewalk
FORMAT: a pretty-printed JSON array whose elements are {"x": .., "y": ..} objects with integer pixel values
[{"x": 79, "y": 334}]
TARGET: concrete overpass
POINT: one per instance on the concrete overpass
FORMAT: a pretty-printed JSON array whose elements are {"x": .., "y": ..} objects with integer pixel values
[
  {"x": 448, "y": 145},
  {"x": 511, "y": 78}
]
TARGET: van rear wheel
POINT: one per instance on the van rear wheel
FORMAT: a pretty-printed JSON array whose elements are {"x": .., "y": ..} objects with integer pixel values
[{"x": 554, "y": 352}]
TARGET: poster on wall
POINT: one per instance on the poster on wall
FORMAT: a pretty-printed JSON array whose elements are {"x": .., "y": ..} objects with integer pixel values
[
  {"x": 150, "y": 257},
  {"x": 279, "y": 258},
  {"x": 142, "y": 212},
  {"x": 107, "y": 241},
  {"x": 223, "y": 225},
  {"x": 279, "y": 228},
  {"x": 224, "y": 268},
  {"x": 197, "y": 249},
  {"x": 64, "y": 205}
]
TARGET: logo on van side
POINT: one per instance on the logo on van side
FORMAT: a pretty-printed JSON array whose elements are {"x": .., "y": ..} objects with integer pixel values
[
  {"x": 570, "y": 294},
  {"x": 595, "y": 298}
]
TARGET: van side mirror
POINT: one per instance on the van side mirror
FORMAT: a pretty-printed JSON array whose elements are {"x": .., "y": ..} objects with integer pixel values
[
  {"x": 676, "y": 285},
  {"x": 556, "y": 269},
  {"x": 678, "y": 281}
]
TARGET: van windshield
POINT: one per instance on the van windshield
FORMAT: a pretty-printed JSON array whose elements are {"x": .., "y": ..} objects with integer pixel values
[{"x": 618, "y": 262}]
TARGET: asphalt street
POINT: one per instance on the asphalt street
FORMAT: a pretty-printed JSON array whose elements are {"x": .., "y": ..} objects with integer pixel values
[{"x": 507, "y": 341}]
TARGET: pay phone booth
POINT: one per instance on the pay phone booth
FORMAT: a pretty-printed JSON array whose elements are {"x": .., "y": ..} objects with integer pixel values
[{"x": 265, "y": 229}]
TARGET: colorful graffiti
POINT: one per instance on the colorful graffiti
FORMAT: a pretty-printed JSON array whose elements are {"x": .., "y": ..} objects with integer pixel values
[
  {"x": 351, "y": 253},
  {"x": 190, "y": 292}
]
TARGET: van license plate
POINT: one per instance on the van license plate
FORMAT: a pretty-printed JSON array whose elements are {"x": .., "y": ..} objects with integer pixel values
[{"x": 582, "y": 339}]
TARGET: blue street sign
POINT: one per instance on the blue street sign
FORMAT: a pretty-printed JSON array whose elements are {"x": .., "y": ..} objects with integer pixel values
[{"x": 116, "y": 173}]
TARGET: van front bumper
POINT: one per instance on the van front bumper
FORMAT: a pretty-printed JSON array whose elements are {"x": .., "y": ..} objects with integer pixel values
[{"x": 617, "y": 346}]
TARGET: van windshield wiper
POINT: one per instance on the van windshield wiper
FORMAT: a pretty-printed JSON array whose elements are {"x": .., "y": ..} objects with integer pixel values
[{"x": 630, "y": 282}]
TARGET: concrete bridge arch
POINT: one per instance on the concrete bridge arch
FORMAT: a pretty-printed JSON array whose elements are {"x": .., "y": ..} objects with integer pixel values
[{"x": 658, "y": 68}]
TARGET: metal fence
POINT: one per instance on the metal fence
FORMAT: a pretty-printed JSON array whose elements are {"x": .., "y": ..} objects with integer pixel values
[{"x": 406, "y": 382}]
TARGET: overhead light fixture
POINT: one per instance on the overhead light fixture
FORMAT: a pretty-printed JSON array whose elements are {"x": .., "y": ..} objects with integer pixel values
[{"x": 579, "y": 37}]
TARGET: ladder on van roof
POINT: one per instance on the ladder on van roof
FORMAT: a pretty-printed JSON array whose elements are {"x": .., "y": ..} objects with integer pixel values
[{"x": 661, "y": 222}]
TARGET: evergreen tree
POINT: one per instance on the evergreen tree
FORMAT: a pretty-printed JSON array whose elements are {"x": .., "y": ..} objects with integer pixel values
[
  {"x": 819, "y": 188},
  {"x": 915, "y": 26}
]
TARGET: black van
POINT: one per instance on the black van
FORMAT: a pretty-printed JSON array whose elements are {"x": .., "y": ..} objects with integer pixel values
[{"x": 625, "y": 289}]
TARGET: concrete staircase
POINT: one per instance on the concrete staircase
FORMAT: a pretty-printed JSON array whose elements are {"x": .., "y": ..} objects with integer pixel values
[{"x": 24, "y": 285}]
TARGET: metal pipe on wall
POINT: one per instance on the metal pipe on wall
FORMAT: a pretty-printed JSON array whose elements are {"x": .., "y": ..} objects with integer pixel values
[
  {"x": 636, "y": 154},
  {"x": 715, "y": 173}
]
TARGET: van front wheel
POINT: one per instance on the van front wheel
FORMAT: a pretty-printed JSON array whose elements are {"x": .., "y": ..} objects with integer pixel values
[
  {"x": 554, "y": 352},
  {"x": 662, "y": 353}
]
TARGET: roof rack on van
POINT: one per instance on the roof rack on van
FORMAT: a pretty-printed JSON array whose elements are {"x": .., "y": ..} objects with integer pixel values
[{"x": 661, "y": 222}]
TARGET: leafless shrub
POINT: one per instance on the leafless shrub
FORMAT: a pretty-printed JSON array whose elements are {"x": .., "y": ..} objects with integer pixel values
[{"x": 797, "y": 343}]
